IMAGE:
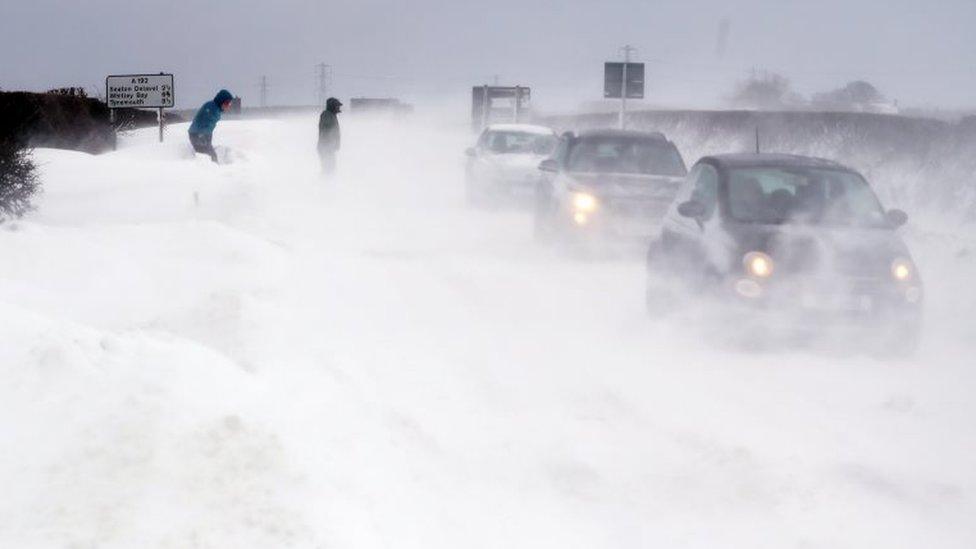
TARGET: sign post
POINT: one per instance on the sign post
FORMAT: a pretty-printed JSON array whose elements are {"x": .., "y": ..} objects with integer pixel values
[
  {"x": 141, "y": 91},
  {"x": 623, "y": 81}
]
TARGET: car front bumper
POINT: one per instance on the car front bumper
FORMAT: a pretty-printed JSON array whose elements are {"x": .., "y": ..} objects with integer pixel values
[
  {"x": 640, "y": 222},
  {"x": 509, "y": 187},
  {"x": 861, "y": 308}
]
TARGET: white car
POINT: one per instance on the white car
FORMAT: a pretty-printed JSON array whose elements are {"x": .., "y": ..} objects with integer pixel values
[{"x": 503, "y": 165}]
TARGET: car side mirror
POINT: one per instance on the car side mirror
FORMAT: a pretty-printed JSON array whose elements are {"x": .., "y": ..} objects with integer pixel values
[
  {"x": 549, "y": 165},
  {"x": 693, "y": 209},
  {"x": 471, "y": 152},
  {"x": 896, "y": 218}
]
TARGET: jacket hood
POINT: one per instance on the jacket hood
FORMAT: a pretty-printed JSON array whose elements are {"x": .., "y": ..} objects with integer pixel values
[{"x": 222, "y": 97}]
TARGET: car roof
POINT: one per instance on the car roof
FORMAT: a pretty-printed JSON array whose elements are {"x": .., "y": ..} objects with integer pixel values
[
  {"x": 607, "y": 132},
  {"x": 524, "y": 128},
  {"x": 760, "y": 160}
]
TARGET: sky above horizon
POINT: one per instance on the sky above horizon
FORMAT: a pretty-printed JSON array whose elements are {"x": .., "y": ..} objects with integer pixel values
[{"x": 918, "y": 53}]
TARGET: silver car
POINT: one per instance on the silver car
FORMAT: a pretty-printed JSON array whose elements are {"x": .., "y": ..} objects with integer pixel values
[{"x": 503, "y": 165}]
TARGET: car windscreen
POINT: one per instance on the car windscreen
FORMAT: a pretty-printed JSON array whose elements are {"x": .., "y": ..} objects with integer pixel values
[
  {"x": 512, "y": 142},
  {"x": 815, "y": 196},
  {"x": 627, "y": 155}
]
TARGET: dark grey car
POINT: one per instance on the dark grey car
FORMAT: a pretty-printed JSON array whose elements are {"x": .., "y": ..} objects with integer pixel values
[
  {"x": 788, "y": 234},
  {"x": 607, "y": 184}
]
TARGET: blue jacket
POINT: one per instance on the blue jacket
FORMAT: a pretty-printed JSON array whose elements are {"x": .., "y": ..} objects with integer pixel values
[{"x": 209, "y": 114}]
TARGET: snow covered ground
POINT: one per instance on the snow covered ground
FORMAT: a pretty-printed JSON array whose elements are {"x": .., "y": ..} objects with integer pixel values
[{"x": 247, "y": 356}]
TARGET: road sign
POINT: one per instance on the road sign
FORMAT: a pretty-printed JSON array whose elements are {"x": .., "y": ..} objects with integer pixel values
[
  {"x": 613, "y": 80},
  {"x": 140, "y": 91}
]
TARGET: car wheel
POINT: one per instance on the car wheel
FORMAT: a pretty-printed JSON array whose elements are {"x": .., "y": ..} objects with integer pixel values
[
  {"x": 542, "y": 221},
  {"x": 659, "y": 299},
  {"x": 660, "y": 296},
  {"x": 473, "y": 196},
  {"x": 542, "y": 228},
  {"x": 902, "y": 342}
]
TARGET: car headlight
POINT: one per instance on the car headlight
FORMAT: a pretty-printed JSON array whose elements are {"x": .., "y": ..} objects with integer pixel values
[
  {"x": 902, "y": 269},
  {"x": 758, "y": 264},
  {"x": 584, "y": 202}
]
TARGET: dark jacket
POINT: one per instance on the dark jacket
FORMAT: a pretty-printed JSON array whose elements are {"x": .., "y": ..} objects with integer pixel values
[
  {"x": 329, "y": 139},
  {"x": 209, "y": 114}
]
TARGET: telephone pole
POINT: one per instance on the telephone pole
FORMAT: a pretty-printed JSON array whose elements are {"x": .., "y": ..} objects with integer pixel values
[
  {"x": 325, "y": 82},
  {"x": 264, "y": 91},
  {"x": 627, "y": 50}
]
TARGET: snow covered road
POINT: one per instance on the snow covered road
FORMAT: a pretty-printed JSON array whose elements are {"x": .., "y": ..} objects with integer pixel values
[{"x": 247, "y": 356}]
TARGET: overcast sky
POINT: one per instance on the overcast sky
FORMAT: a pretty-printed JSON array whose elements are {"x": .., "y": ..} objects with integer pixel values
[{"x": 918, "y": 52}]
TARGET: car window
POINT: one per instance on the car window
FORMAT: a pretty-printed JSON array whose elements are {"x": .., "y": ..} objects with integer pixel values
[
  {"x": 688, "y": 185},
  {"x": 512, "y": 142},
  {"x": 803, "y": 195},
  {"x": 625, "y": 155},
  {"x": 705, "y": 188},
  {"x": 559, "y": 154}
]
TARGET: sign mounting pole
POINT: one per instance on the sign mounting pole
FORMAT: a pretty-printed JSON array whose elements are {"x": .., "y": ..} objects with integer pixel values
[
  {"x": 160, "y": 114},
  {"x": 141, "y": 91},
  {"x": 115, "y": 130},
  {"x": 517, "y": 103},
  {"x": 623, "y": 87}
]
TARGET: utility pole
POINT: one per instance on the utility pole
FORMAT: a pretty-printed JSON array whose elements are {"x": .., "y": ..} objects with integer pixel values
[
  {"x": 264, "y": 91},
  {"x": 627, "y": 49},
  {"x": 325, "y": 82}
]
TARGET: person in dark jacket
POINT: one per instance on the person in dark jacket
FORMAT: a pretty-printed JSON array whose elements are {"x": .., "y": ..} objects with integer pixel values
[
  {"x": 329, "y": 139},
  {"x": 202, "y": 128}
]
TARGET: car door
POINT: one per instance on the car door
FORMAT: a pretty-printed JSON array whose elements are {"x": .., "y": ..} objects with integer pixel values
[
  {"x": 547, "y": 181},
  {"x": 477, "y": 162},
  {"x": 684, "y": 238}
]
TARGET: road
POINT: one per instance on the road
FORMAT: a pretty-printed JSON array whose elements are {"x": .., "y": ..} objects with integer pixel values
[{"x": 251, "y": 356}]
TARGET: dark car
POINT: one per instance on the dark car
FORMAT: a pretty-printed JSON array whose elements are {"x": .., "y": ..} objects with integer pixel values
[
  {"x": 789, "y": 234},
  {"x": 607, "y": 184}
]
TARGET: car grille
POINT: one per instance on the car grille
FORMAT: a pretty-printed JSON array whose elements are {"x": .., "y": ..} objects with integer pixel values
[
  {"x": 804, "y": 255},
  {"x": 641, "y": 208}
]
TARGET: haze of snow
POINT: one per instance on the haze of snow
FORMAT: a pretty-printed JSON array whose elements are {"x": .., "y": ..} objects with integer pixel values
[{"x": 248, "y": 356}]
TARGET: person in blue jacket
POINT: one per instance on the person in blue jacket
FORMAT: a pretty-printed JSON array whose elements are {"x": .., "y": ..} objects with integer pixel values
[{"x": 202, "y": 128}]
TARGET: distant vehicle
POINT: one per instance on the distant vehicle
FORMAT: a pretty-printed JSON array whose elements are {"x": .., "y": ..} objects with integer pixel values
[
  {"x": 379, "y": 105},
  {"x": 605, "y": 185},
  {"x": 499, "y": 105},
  {"x": 789, "y": 234},
  {"x": 504, "y": 164}
]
